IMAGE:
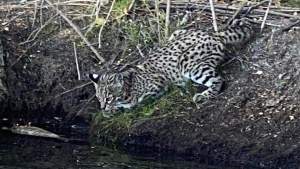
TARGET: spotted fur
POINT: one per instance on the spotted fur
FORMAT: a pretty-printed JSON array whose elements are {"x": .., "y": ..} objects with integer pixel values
[{"x": 188, "y": 55}]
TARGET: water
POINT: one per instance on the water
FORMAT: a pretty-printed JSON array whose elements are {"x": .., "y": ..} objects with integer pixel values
[{"x": 24, "y": 152}]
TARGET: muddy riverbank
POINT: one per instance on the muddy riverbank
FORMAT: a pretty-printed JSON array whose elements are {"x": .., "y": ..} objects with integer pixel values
[{"x": 254, "y": 122}]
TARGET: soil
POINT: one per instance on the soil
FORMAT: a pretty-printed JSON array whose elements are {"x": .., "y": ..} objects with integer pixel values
[
  {"x": 38, "y": 73},
  {"x": 253, "y": 122}
]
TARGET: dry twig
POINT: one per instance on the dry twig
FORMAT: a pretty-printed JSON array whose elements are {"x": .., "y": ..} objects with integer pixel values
[
  {"x": 251, "y": 8},
  {"x": 74, "y": 88},
  {"x": 71, "y": 115},
  {"x": 157, "y": 18},
  {"x": 37, "y": 31},
  {"x": 225, "y": 9},
  {"x": 287, "y": 28},
  {"x": 41, "y": 12},
  {"x": 236, "y": 13},
  {"x": 266, "y": 15},
  {"x": 94, "y": 13},
  {"x": 101, "y": 29},
  {"x": 140, "y": 51},
  {"x": 100, "y": 58},
  {"x": 35, "y": 13},
  {"x": 76, "y": 61},
  {"x": 212, "y": 8},
  {"x": 167, "y": 22}
]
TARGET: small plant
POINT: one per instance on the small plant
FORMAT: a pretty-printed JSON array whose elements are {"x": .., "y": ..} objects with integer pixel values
[
  {"x": 150, "y": 108},
  {"x": 137, "y": 33},
  {"x": 121, "y": 7}
]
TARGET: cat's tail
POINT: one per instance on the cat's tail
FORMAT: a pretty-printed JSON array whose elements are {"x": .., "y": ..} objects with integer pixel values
[{"x": 240, "y": 31}]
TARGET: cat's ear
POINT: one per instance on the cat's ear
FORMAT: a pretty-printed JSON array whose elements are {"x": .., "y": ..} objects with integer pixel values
[{"x": 94, "y": 77}]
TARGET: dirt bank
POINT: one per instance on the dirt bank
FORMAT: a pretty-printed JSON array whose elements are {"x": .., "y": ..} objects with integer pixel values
[
  {"x": 41, "y": 73},
  {"x": 254, "y": 122}
]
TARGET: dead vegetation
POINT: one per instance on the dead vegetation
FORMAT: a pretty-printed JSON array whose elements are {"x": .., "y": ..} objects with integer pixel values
[{"x": 53, "y": 45}]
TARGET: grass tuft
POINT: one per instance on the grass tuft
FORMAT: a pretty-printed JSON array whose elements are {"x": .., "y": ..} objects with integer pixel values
[
  {"x": 121, "y": 7},
  {"x": 150, "y": 108}
]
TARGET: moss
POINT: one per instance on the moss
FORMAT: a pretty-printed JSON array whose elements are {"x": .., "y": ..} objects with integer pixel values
[
  {"x": 142, "y": 31},
  {"x": 112, "y": 129}
]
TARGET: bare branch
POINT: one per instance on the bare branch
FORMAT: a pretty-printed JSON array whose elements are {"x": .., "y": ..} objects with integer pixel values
[
  {"x": 212, "y": 8},
  {"x": 76, "y": 61},
  {"x": 167, "y": 22},
  {"x": 100, "y": 58},
  {"x": 74, "y": 88},
  {"x": 37, "y": 31},
  {"x": 251, "y": 8},
  {"x": 157, "y": 20},
  {"x": 286, "y": 28},
  {"x": 101, "y": 29},
  {"x": 140, "y": 51},
  {"x": 266, "y": 15},
  {"x": 236, "y": 13},
  {"x": 72, "y": 115}
]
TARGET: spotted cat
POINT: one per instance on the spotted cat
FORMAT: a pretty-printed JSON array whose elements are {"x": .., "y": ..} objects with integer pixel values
[{"x": 188, "y": 55}]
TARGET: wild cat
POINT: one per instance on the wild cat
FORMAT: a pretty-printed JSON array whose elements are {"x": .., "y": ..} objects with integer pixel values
[{"x": 188, "y": 55}]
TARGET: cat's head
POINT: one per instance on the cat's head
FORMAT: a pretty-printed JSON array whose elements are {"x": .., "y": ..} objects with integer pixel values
[{"x": 109, "y": 88}]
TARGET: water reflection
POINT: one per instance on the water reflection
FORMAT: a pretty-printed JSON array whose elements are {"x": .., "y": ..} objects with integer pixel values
[{"x": 22, "y": 152}]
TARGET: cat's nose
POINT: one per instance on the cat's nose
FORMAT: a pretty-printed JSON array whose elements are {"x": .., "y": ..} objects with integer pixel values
[
  {"x": 102, "y": 104},
  {"x": 107, "y": 108}
]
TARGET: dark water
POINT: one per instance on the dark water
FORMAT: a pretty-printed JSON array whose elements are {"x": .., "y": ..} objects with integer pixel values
[{"x": 24, "y": 152}]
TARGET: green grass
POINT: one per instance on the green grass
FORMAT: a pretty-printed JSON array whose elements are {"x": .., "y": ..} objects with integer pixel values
[
  {"x": 291, "y": 3},
  {"x": 142, "y": 31},
  {"x": 119, "y": 124},
  {"x": 136, "y": 33},
  {"x": 121, "y": 6}
]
